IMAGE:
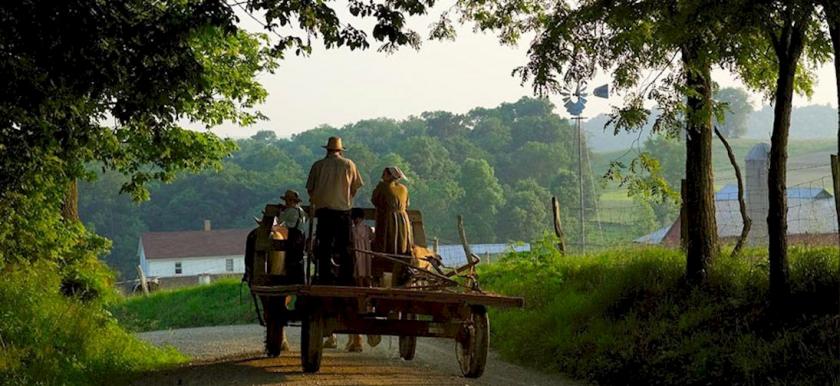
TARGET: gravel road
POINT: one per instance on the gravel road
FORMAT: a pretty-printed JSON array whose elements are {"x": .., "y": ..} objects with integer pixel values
[{"x": 232, "y": 355}]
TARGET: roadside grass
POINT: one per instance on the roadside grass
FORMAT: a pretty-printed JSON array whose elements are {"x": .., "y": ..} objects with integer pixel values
[
  {"x": 216, "y": 304},
  {"x": 47, "y": 338},
  {"x": 626, "y": 317}
]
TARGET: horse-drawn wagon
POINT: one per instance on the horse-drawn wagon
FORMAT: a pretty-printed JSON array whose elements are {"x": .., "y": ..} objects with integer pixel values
[{"x": 438, "y": 301}]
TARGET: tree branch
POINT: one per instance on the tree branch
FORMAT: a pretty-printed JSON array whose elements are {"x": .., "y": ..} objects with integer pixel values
[{"x": 745, "y": 218}]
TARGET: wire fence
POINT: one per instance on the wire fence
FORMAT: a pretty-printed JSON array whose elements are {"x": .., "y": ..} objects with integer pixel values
[{"x": 811, "y": 218}]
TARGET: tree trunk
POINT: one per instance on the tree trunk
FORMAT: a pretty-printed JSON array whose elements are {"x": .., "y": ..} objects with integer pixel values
[
  {"x": 700, "y": 224},
  {"x": 776, "y": 180},
  {"x": 742, "y": 205},
  {"x": 835, "y": 38},
  {"x": 832, "y": 13},
  {"x": 70, "y": 206},
  {"x": 835, "y": 176},
  {"x": 788, "y": 49}
]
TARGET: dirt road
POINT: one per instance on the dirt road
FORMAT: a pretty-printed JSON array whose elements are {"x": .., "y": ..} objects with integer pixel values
[{"x": 232, "y": 355}]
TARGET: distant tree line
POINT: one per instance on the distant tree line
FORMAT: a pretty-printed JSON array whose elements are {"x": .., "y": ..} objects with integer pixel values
[{"x": 497, "y": 167}]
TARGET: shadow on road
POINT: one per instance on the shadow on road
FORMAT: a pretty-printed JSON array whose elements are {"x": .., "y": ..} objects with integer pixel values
[{"x": 338, "y": 368}]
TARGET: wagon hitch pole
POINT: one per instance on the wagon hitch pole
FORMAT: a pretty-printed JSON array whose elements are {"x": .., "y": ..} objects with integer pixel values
[
  {"x": 396, "y": 259},
  {"x": 472, "y": 258}
]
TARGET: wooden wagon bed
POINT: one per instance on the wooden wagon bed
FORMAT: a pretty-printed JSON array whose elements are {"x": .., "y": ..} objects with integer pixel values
[{"x": 403, "y": 294}]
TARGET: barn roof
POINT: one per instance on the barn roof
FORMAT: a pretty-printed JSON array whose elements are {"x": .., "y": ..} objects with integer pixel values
[
  {"x": 654, "y": 238},
  {"x": 453, "y": 255},
  {"x": 169, "y": 245},
  {"x": 730, "y": 192},
  {"x": 805, "y": 216}
]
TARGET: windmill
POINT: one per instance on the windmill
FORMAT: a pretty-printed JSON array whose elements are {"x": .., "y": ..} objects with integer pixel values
[{"x": 574, "y": 100}]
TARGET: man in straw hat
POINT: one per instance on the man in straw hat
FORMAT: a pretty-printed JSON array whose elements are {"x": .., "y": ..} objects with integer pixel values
[
  {"x": 294, "y": 219},
  {"x": 332, "y": 184}
]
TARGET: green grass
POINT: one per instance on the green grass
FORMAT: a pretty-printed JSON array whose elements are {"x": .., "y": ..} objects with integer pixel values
[
  {"x": 215, "y": 304},
  {"x": 626, "y": 317},
  {"x": 47, "y": 338},
  {"x": 618, "y": 317}
]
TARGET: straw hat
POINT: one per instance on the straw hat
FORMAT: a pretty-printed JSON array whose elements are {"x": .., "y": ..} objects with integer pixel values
[
  {"x": 291, "y": 196},
  {"x": 334, "y": 143}
]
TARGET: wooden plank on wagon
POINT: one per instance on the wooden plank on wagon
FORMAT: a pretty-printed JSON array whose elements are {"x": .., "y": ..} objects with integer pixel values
[{"x": 487, "y": 299}]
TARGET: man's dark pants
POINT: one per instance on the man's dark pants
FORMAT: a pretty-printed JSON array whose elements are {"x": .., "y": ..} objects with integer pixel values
[{"x": 334, "y": 241}]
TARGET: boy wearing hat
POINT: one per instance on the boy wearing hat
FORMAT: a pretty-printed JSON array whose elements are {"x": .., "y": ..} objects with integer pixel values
[
  {"x": 332, "y": 184},
  {"x": 294, "y": 219}
]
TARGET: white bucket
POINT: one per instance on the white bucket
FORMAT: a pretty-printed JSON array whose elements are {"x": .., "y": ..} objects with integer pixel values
[{"x": 204, "y": 279}]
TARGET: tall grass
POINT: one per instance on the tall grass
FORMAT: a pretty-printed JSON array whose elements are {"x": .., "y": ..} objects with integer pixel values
[
  {"x": 49, "y": 338},
  {"x": 219, "y": 303},
  {"x": 626, "y": 317}
]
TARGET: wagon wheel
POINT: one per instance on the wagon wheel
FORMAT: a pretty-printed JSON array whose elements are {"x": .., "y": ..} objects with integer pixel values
[
  {"x": 408, "y": 344},
  {"x": 273, "y": 329},
  {"x": 472, "y": 343},
  {"x": 311, "y": 341}
]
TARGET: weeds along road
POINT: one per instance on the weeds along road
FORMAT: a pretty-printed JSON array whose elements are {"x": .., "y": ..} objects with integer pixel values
[{"x": 232, "y": 355}]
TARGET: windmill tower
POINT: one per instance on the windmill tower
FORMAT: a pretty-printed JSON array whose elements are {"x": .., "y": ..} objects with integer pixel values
[{"x": 574, "y": 100}]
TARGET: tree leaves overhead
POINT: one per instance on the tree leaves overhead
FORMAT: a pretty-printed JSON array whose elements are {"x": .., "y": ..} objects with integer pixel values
[
  {"x": 105, "y": 81},
  {"x": 297, "y": 23}
]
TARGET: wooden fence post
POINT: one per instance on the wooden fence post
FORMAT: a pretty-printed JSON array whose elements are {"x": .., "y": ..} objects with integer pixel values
[
  {"x": 558, "y": 226},
  {"x": 471, "y": 258},
  {"x": 143, "y": 283}
]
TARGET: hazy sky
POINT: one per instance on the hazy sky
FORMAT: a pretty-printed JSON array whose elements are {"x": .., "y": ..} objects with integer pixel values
[{"x": 337, "y": 87}]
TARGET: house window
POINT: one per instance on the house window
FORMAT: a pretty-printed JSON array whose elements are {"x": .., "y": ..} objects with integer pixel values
[
  {"x": 229, "y": 265},
  {"x": 178, "y": 269}
]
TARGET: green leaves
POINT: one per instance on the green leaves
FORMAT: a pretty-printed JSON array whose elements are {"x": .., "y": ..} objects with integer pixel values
[{"x": 642, "y": 177}]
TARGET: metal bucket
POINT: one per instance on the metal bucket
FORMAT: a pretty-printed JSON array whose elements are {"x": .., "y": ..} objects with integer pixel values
[
  {"x": 276, "y": 259},
  {"x": 204, "y": 279}
]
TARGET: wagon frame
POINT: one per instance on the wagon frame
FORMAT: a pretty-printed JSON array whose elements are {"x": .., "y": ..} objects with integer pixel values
[{"x": 452, "y": 311}]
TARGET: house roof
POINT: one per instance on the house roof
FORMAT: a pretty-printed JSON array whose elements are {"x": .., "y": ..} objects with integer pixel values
[
  {"x": 730, "y": 192},
  {"x": 453, "y": 255},
  {"x": 169, "y": 245},
  {"x": 654, "y": 238}
]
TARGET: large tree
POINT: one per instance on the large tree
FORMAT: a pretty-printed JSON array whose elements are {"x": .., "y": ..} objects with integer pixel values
[
  {"x": 781, "y": 47},
  {"x": 679, "y": 41},
  {"x": 483, "y": 198},
  {"x": 832, "y": 16},
  {"x": 110, "y": 83},
  {"x": 737, "y": 109}
]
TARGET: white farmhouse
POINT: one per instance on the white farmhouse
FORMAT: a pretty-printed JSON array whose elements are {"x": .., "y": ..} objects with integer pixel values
[{"x": 183, "y": 255}]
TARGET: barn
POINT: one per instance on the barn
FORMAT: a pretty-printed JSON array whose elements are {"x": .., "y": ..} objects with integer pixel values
[
  {"x": 180, "y": 257},
  {"x": 811, "y": 215}
]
